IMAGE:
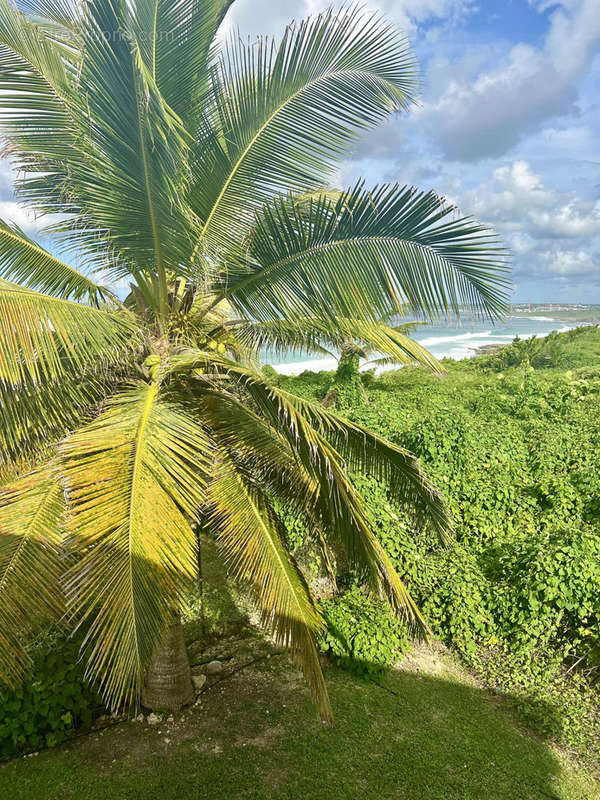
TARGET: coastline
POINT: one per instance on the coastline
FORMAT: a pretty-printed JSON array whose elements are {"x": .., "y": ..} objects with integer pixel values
[{"x": 444, "y": 343}]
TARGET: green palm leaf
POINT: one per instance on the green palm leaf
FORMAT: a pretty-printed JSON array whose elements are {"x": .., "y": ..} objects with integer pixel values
[
  {"x": 129, "y": 177},
  {"x": 31, "y": 512},
  {"x": 256, "y": 445},
  {"x": 312, "y": 432},
  {"x": 135, "y": 479},
  {"x": 248, "y": 535},
  {"x": 60, "y": 14},
  {"x": 283, "y": 117},
  {"x": 35, "y": 415},
  {"x": 372, "y": 253},
  {"x": 44, "y": 337},
  {"x": 362, "y": 449},
  {"x": 367, "y": 452},
  {"x": 37, "y": 106},
  {"x": 324, "y": 336},
  {"x": 25, "y": 262},
  {"x": 177, "y": 40}
]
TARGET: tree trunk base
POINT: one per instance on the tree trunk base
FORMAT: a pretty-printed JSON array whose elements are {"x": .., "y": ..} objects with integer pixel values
[{"x": 169, "y": 679}]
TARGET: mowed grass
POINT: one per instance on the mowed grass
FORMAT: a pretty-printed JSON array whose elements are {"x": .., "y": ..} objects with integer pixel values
[{"x": 429, "y": 736}]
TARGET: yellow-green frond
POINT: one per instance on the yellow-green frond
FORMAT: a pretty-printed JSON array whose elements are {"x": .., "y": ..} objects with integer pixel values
[
  {"x": 248, "y": 536},
  {"x": 31, "y": 514},
  {"x": 135, "y": 480},
  {"x": 44, "y": 337},
  {"x": 24, "y": 261}
]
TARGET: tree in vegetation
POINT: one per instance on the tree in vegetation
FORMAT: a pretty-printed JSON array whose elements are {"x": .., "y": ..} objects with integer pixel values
[
  {"x": 396, "y": 348},
  {"x": 169, "y": 161}
]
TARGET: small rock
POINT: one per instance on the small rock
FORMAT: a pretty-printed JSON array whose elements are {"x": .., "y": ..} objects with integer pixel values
[
  {"x": 214, "y": 667},
  {"x": 170, "y": 718},
  {"x": 140, "y": 718},
  {"x": 153, "y": 719},
  {"x": 198, "y": 681},
  {"x": 167, "y": 741}
]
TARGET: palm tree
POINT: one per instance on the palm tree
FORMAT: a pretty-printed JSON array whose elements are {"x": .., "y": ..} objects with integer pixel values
[{"x": 168, "y": 161}]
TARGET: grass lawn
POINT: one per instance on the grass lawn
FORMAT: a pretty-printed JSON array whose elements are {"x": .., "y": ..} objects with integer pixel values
[{"x": 429, "y": 734}]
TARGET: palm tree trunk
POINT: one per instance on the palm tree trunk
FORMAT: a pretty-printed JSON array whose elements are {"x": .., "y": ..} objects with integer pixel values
[{"x": 169, "y": 679}]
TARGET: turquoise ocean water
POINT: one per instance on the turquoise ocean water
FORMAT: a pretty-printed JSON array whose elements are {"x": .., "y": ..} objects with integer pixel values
[{"x": 444, "y": 341}]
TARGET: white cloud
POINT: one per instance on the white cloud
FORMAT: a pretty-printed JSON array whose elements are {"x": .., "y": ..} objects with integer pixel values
[
  {"x": 488, "y": 112},
  {"x": 266, "y": 16},
  {"x": 513, "y": 191},
  {"x": 11, "y": 211},
  {"x": 554, "y": 236},
  {"x": 517, "y": 199},
  {"x": 571, "y": 263},
  {"x": 572, "y": 220}
]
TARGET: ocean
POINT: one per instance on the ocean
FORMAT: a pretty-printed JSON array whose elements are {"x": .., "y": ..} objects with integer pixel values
[{"x": 443, "y": 341}]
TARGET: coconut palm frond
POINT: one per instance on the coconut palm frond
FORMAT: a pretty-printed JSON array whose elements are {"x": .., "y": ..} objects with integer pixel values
[
  {"x": 310, "y": 431},
  {"x": 35, "y": 415},
  {"x": 24, "y": 261},
  {"x": 135, "y": 479},
  {"x": 37, "y": 105},
  {"x": 177, "y": 43},
  {"x": 248, "y": 535},
  {"x": 31, "y": 513},
  {"x": 42, "y": 337},
  {"x": 391, "y": 250},
  {"x": 284, "y": 116},
  {"x": 366, "y": 452},
  {"x": 58, "y": 15},
  {"x": 132, "y": 165},
  {"x": 253, "y": 443},
  {"x": 362, "y": 449}
]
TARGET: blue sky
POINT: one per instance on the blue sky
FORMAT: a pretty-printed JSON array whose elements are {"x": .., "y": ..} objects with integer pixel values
[{"x": 507, "y": 126}]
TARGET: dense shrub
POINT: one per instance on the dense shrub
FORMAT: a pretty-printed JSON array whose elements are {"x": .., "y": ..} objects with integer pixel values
[
  {"x": 52, "y": 702},
  {"x": 363, "y": 635}
]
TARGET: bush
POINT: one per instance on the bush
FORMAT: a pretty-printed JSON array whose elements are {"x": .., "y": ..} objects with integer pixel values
[
  {"x": 548, "y": 594},
  {"x": 363, "y": 635},
  {"x": 53, "y": 702}
]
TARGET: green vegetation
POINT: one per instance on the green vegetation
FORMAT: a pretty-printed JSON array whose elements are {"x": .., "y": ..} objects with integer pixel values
[
  {"x": 423, "y": 734},
  {"x": 53, "y": 702},
  {"x": 575, "y": 348},
  {"x": 362, "y": 634},
  {"x": 515, "y": 448},
  {"x": 516, "y": 596}
]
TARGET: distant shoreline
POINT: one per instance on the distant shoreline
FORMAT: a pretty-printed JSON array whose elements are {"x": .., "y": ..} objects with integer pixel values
[{"x": 473, "y": 344}]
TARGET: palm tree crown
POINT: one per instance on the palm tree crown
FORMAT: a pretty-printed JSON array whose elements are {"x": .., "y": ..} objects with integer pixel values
[{"x": 194, "y": 171}]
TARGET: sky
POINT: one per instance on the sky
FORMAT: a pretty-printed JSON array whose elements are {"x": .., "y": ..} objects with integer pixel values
[{"x": 506, "y": 127}]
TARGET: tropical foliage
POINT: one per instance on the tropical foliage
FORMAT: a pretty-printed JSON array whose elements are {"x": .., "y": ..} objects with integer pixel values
[
  {"x": 193, "y": 172},
  {"x": 517, "y": 595}
]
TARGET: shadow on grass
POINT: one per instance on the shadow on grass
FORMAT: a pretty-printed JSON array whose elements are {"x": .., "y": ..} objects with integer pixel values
[{"x": 256, "y": 736}]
